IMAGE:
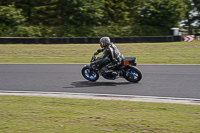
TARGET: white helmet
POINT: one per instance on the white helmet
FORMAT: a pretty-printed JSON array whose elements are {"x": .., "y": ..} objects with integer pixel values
[{"x": 104, "y": 41}]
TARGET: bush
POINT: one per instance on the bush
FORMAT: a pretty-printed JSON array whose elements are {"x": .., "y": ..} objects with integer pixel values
[
  {"x": 81, "y": 31},
  {"x": 138, "y": 30},
  {"x": 146, "y": 30},
  {"x": 24, "y": 31},
  {"x": 112, "y": 30},
  {"x": 5, "y": 31},
  {"x": 77, "y": 31}
]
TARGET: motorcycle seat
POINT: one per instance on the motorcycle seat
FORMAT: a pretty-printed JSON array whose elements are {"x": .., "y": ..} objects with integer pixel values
[{"x": 130, "y": 59}]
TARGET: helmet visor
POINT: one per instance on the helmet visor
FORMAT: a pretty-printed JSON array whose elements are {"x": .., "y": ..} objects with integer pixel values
[{"x": 102, "y": 43}]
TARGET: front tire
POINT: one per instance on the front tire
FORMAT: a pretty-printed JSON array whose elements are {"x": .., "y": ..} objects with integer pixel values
[
  {"x": 89, "y": 74},
  {"x": 132, "y": 74}
]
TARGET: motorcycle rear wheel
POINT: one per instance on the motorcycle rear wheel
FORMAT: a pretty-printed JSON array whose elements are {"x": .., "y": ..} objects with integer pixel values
[{"x": 132, "y": 74}]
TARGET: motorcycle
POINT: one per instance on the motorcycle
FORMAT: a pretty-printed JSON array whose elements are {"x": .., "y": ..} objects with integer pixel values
[{"x": 126, "y": 70}]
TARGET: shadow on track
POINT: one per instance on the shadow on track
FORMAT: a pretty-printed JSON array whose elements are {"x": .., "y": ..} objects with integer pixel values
[{"x": 82, "y": 84}]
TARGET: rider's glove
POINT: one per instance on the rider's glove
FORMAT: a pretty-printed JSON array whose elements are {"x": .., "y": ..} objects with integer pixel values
[
  {"x": 99, "y": 50},
  {"x": 96, "y": 53}
]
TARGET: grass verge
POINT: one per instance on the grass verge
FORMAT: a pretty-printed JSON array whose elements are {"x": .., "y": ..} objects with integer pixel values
[
  {"x": 60, "y": 115},
  {"x": 146, "y": 53},
  {"x": 35, "y": 114}
]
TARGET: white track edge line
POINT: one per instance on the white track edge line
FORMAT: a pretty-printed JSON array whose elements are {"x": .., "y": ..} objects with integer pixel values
[{"x": 104, "y": 96}]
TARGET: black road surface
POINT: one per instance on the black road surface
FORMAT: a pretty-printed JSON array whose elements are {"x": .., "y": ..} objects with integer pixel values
[{"x": 181, "y": 81}]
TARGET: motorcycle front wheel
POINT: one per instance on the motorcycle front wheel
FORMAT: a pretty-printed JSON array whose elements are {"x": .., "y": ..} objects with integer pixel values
[
  {"x": 90, "y": 74},
  {"x": 132, "y": 74}
]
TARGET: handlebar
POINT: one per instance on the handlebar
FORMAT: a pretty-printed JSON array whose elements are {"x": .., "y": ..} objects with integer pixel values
[{"x": 93, "y": 58}]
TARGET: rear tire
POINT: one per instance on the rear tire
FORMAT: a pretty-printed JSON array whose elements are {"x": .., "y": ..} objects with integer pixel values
[
  {"x": 90, "y": 74},
  {"x": 132, "y": 74}
]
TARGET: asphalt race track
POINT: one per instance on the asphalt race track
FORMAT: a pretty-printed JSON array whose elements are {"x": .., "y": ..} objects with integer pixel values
[{"x": 181, "y": 81}]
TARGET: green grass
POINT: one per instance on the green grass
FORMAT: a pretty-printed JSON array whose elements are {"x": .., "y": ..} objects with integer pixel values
[
  {"x": 58, "y": 115},
  {"x": 146, "y": 53}
]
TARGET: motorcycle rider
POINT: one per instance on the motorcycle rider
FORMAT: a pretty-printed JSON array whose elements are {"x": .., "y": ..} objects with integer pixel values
[{"x": 111, "y": 57}]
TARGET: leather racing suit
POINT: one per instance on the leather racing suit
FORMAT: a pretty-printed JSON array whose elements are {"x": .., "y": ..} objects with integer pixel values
[{"x": 110, "y": 59}]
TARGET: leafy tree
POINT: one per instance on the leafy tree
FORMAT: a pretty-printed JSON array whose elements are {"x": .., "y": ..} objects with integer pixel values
[
  {"x": 162, "y": 13},
  {"x": 95, "y": 17},
  {"x": 192, "y": 15},
  {"x": 10, "y": 16},
  {"x": 122, "y": 12},
  {"x": 197, "y": 6},
  {"x": 189, "y": 13},
  {"x": 38, "y": 12},
  {"x": 41, "y": 12},
  {"x": 82, "y": 12},
  {"x": 6, "y": 2},
  {"x": 28, "y": 9}
]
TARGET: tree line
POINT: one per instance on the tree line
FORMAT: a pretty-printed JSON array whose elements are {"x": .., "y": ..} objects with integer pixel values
[{"x": 89, "y": 18}]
